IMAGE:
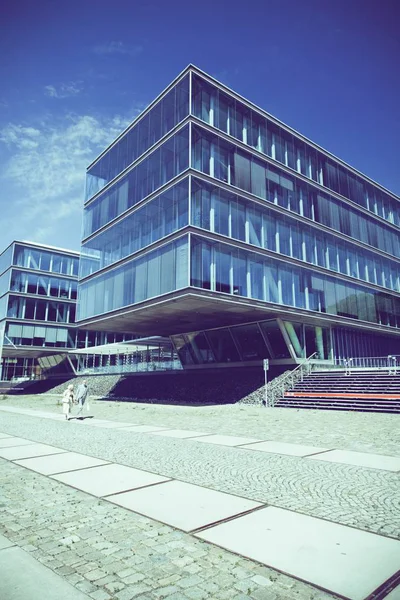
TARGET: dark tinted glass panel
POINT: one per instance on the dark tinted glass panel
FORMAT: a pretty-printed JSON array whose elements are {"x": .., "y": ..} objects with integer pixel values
[
  {"x": 200, "y": 348},
  {"x": 275, "y": 338},
  {"x": 250, "y": 342},
  {"x": 223, "y": 345}
]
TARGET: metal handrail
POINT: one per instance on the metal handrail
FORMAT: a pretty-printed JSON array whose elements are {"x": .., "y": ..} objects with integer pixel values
[
  {"x": 277, "y": 387},
  {"x": 391, "y": 363}
]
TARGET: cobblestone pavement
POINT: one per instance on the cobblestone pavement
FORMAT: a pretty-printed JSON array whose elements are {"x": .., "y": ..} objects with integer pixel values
[
  {"x": 95, "y": 545},
  {"x": 362, "y": 432},
  {"x": 111, "y": 553}
]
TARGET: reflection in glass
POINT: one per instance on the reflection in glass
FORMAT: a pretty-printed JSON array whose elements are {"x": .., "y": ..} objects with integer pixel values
[
  {"x": 287, "y": 284},
  {"x": 250, "y": 342},
  {"x": 222, "y": 345},
  {"x": 157, "y": 272},
  {"x": 145, "y": 132},
  {"x": 246, "y": 172},
  {"x": 163, "y": 215},
  {"x": 247, "y": 125},
  {"x": 168, "y": 161}
]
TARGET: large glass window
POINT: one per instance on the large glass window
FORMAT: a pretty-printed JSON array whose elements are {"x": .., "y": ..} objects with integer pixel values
[
  {"x": 275, "y": 339},
  {"x": 253, "y": 175},
  {"x": 250, "y": 342},
  {"x": 6, "y": 258},
  {"x": 3, "y": 309},
  {"x": 227, "y": 213},
  {"x": 223, "y": 345},
  {"x": 157, "y": 272},
  {"x": 42, "y": 285},
  {"x": 43, "y": 260},
  {"x": 5, "y": 282},
  {"x": 158, "y": 168},
  {"x": 40, "y": 310},
  {"x": 233, "y": 117},
  {"x": 163, "y": 215},
  {"x": 286, "y": 284},
  {"x": 200, "y": 348},
  {"x": 145, "y": 131}
]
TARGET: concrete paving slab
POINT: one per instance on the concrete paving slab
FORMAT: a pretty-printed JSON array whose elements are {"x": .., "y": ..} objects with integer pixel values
[
  {"x": 92, "y": 421},
  {"x": 226, "y": 440},
  {"x": 60, "y": 463},
  {"x": 361, "y": 459},
  {"x": 27, "y": 411},
  {"x": 109, "y": 479},
  {"x": 183, "y": 505},
  {"x": 14, "y": 441},
  {"x": 179, "y": 433},
  {"x": 340, "y": 559},
  {"x": 105, "y": 424},
  {"x": 5, "y": 543},
  {"x": 29, "y": 451},
  {"x": 24, "y": 578},
  {"x": 14, "y": 409},
  {"x": 143, "y": 428},
  {"x": 285, "y": 448}
]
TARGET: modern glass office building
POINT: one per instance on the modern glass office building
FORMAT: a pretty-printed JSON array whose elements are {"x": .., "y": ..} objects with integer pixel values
[
  {"x": 38, "y": 290},
  {"x": 210, "y": 221}
]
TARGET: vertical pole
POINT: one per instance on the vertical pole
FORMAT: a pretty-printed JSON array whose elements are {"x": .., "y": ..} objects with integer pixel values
[
  {"x": 266, "y": 389},
  {"x": 2, "y": 366}
]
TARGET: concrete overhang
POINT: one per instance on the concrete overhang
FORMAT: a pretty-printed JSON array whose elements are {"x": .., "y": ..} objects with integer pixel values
[
  {"x": 193, "y": 309},
  {"x": 179, "y": 312},
  {"x": 9, "y": 351}
]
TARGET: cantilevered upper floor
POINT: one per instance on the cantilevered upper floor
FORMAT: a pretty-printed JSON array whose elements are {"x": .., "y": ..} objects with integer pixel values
[{"x": 207, "y": 212}]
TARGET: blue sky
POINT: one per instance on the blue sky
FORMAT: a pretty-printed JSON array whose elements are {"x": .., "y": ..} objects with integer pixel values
[{"x": 74, "y": 74}]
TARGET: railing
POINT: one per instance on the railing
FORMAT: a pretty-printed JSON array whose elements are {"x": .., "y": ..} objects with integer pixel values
[
  {"x": 278, "y": 386},
  {"x": 140, "y": 367},
  {"x": 390, "y": 363}
]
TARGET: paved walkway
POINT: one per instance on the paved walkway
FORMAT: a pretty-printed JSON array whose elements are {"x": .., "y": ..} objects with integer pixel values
[{"x": 309, "y": 482}]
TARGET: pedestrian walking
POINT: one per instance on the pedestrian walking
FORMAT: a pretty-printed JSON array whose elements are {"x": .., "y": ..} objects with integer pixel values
[
  {"x": 81, "y": 396},
  {"x": 68, "y": 400}
]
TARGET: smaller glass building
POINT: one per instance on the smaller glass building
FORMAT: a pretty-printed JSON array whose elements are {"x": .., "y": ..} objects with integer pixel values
[{"x": 38, "y": 294}]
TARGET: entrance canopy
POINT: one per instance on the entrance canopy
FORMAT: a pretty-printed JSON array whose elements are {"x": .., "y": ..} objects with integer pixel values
[{"x": 130, "y": 346}]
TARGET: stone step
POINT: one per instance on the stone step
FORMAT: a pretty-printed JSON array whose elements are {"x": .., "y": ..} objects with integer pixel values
[{"x": 342, "y": 408}]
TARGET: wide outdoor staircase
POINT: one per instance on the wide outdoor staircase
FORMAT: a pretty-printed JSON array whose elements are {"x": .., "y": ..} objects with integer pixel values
[{"x": 374, "y": 390}]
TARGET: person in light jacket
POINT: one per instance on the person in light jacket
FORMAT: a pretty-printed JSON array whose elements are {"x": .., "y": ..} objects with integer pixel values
[
  {"x": 81, "y": 396},
  {"x": 68, "y": 400}
]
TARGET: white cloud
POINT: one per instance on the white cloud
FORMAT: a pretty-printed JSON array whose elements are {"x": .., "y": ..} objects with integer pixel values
[
  {"x": 42, "y": 181},
  {"x": 117, "y": 48},
  {"x": 19, "y": 136},
  {"x": 64, "y": 90}
]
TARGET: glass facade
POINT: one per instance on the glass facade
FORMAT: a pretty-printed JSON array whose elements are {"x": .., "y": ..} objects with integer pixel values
[
  {"x": 217, "y": 210},
  {"x": 42, "y": 285},
  {"x": 157, "y": 272},
  {"x": 6, "y": 259},
  {"x": 241, "y": 343},
  {"x": 44, "y": 260},
  {"x": 228, "y": 163},
  {"x": 162, "y": 165},
  {"x": 230, "y": 115},
  {"x": 146, "y": 131},
  {"x": 222, "y": 268},
  {"x": 40, "y": 310},
  {"x": 21, "y": 334},
  {"x": 38, "y": 292},
  {"x": 222, "y": 198},
  {"x": 164, "y": 214}
]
